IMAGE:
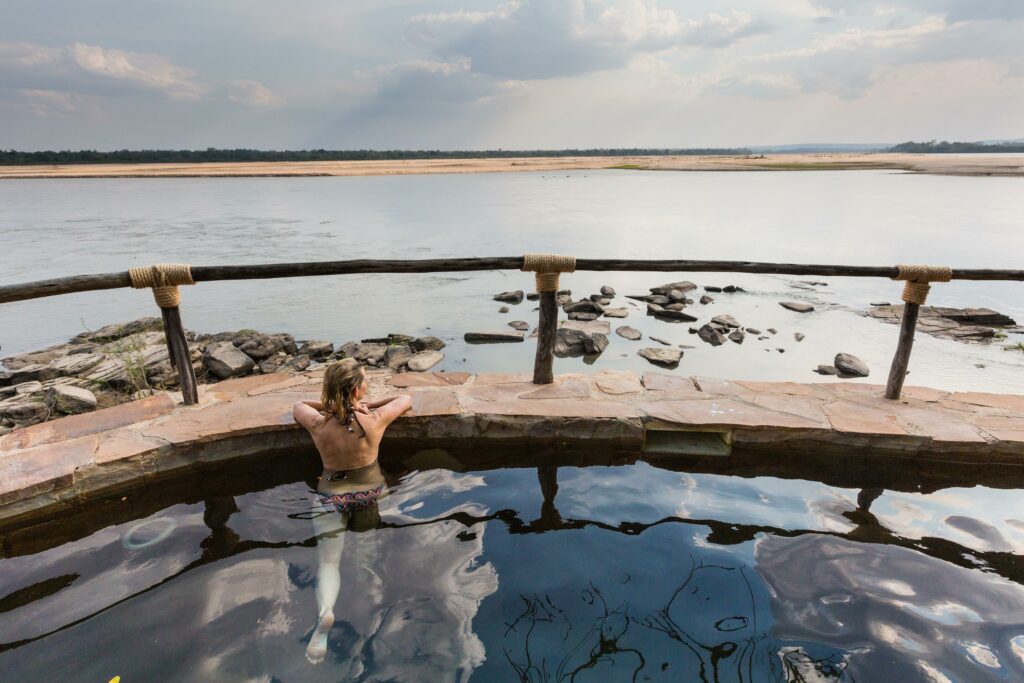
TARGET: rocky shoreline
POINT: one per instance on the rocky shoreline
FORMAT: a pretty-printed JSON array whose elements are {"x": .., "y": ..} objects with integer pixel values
[{"x": 125, "y": 362}]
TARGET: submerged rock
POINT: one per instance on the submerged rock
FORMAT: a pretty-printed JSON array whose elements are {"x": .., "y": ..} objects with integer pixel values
[
  {"x": 798, "y": 306},
  {"x": 711, "y": 335},
  {"x": 520, "y": 325},
  {"x": 849, "y": 364},
  {"x": 827, "y": 370}
]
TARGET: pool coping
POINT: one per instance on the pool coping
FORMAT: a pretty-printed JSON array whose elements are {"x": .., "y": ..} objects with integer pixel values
[{"x": 73, "y": 460}]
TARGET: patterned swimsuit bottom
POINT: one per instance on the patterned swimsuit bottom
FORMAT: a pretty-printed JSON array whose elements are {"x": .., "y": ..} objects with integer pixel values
[{"x": 350, "y": 501}]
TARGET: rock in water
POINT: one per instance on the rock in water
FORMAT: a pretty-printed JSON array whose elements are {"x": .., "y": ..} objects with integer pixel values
[
  {"x": 665, "y": 356},
  {"x": 725, "y": 321},
  {"x": 827, "y": 370},
  {"x": 424, "y": 360},
  {"x": 493, "y": 337},
  {"x": 595, "y": 343},
  {"x": 798, "y": 336},
  {"x": 711, "y": 335},
  {"x": 851, "y": 365},
  {"x": 705, "y": 299},
  {"x": 682, "y": 286},
  {"x": 616, "y": 312},
  {"x": 69, "y": 399},
  {"x": 584, "y": 306},
  {"x": 503, "y": 309},
  {"x": 224, "y": 361},
  {"x": 736, "y": 336},
  {"x": 709, "y": 288},
  {"x": 752, "y": 330},
  {"x": 675, "y": 295},
  {"x": 570, "y": 342},
  {"x": 660, "y": 340},
  {"x": 627, "y": 332},
  {"x": 427, "y": 344},
  {"x": 798, "y": 306},
  {"x": 587, "y": 326},
  {"x": 607, "y": 291},
  {"x": 582, "y": 315},
  {"x": 520, "y": 325},
  {"x": 515, "y": 297}
]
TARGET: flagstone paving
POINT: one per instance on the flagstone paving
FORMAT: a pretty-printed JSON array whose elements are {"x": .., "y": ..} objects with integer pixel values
[{"x": 67, "y": 461}]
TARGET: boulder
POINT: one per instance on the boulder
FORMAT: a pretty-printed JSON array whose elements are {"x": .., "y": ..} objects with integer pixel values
[
  {"x": 582, "y": 315},
  {"x": 725, "y": 321},
  {"x": 711, "y": 335},
  {"x": 627, "y": 332},
  {"x": 272, "y": 365},
  {"x": 595, "y": 343},
  {"x": 367, "y": 351},
  {"x": 682, "y": 286},
  {"x": 798, "y": 306},
  {"x": 299, "y": 363},
  {"x": 736, "y": 336},
  {"x": 317, "y": 349},
  {"x": 616, "y": 312},
  {"x": 851, "y": 365},
  {"x": 798, "y": 336},
  {"x": 70, "y": 400},
  {"x": 667, "y": 357},
  {"x": 515, "y": 297},
  {"x": 607, "y": 291},
  {"x": 493, "y": 337},
  {"x": 827, "y": 370},
  {"x": 397, "y": 355},
  {"x": 520, "y": 325},
  {"x": 424, "y": 360},
  {"x": 224, "y": 360},
  {"x": 584, "y": 306},
  {"x": 23, "y": 410},
  {"x": 27, "y": 388},
  {"x": 33, "y": 372},
  {"x": 261, "y": 346},
  {"x": 570, "y": 342},
  {"x": 705, "y": 299},
  {"x": 427, "y": 344}
]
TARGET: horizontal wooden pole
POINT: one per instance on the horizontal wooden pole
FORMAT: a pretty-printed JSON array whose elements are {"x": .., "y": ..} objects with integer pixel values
[{"x": 88, "y": 283}]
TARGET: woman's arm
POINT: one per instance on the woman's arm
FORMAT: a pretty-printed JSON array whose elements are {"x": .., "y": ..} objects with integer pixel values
[
  {"x": 315, "y": 405},
  {"x": 305, "y": 414},
  {"x": 394, "y": 406},
  {"x": 383, "y": 401}
]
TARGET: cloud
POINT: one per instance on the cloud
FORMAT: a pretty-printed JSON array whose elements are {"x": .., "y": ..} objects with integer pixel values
[
  {"x": 954, "y": 10},
  {"x": 536, "y": 39},
  {"x": 49, "y": 103},
  {"x": 90, "y": 70}
]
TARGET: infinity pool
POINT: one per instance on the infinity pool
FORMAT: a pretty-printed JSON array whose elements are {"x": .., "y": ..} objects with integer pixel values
[{"x": 628, "y": 572}]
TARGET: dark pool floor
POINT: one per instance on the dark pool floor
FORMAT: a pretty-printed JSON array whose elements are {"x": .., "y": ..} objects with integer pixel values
[{"x": 628, "y": 573}]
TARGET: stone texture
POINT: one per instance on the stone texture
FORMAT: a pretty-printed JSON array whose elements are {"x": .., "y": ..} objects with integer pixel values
[
  {"x": 627, "y": 332},
  {"x": 397, "y": 355},
  {"x": 317, "y": 349},
  {"x": 848, "y": 364},
  {"x": 494, "y": 337},
  {"x": 225, "y": 361},
  {"x": 798, "y": 306},
  {"x": 428, "y": 379},
  {"x": 424, "y": 360},
  {"x": 667, "y": 357},
  {"x": 70, "y": 400}
]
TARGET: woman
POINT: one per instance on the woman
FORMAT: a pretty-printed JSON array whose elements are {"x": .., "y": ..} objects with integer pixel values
[{"x": 347, "y": 434}]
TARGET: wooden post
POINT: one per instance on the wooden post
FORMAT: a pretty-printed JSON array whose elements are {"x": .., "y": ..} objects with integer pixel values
[
  {"x": 548, "y": 325},
  {"x": 898, "y": 371},
  {"x": 180, "y": 356}
]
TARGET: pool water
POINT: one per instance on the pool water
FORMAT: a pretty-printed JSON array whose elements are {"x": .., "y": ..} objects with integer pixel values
[{"x": 629, "y": 572}]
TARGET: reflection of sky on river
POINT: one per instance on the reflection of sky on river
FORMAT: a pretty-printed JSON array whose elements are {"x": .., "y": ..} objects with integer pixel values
[
  {"x": 980, "y": 518},
  {"x": 652, "y": 494},
  {"x": 869, "y": 218}
]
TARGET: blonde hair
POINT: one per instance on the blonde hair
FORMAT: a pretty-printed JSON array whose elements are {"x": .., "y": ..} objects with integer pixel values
[{"x": 341, "y": 381}]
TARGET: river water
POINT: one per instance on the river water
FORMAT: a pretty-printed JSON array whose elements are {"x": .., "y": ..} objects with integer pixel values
[{"x": 58, "y": 227}]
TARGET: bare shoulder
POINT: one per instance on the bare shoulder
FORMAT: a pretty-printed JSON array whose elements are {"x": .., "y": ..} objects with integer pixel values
[{"x": 307, "y": 416}]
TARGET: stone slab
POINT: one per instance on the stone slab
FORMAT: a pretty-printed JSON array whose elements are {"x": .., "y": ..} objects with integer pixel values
[{"x": 428, "y": 379}]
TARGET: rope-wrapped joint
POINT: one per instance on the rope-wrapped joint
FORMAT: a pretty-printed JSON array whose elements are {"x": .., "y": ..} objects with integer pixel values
[
  {"x": 164, "y": 278},
  {"x": 917, "y": 279},
  {"x": 547, "y": 268}
]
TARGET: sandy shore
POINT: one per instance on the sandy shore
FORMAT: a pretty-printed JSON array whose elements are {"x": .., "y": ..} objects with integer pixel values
[{"x": 979, "y": 165}]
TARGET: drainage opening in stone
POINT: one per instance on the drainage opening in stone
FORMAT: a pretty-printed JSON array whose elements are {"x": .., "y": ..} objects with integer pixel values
[{"x": 675, "y": 442}]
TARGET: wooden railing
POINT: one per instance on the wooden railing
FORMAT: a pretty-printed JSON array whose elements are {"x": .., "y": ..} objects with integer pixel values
[{"x": 548, "y": 322}]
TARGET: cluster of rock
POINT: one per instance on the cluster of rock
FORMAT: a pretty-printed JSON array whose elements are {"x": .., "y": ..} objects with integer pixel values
[
  {"x": 964, "y": 324},
  {"x": 845, "y": 365},
  {"x": 127, "y": 361}
]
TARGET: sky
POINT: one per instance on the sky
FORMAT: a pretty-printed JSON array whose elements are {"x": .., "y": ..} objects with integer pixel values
[{"x": 519, "y": 74}]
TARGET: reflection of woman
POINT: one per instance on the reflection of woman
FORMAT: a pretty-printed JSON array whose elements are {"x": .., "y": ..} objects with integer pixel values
[{"x": 347, "y": 434}]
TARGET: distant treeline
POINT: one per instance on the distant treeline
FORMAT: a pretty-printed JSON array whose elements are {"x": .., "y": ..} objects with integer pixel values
[
  {"x": 152, "y": 156},
  {"x": 944, "y": 147}
]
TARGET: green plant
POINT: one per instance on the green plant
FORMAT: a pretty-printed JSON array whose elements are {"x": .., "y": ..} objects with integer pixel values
[{"x": 1019, "y": 346}]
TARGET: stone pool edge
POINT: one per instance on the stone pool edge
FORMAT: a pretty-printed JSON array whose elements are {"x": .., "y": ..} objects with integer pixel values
[{"x": 73, "y": 460}]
